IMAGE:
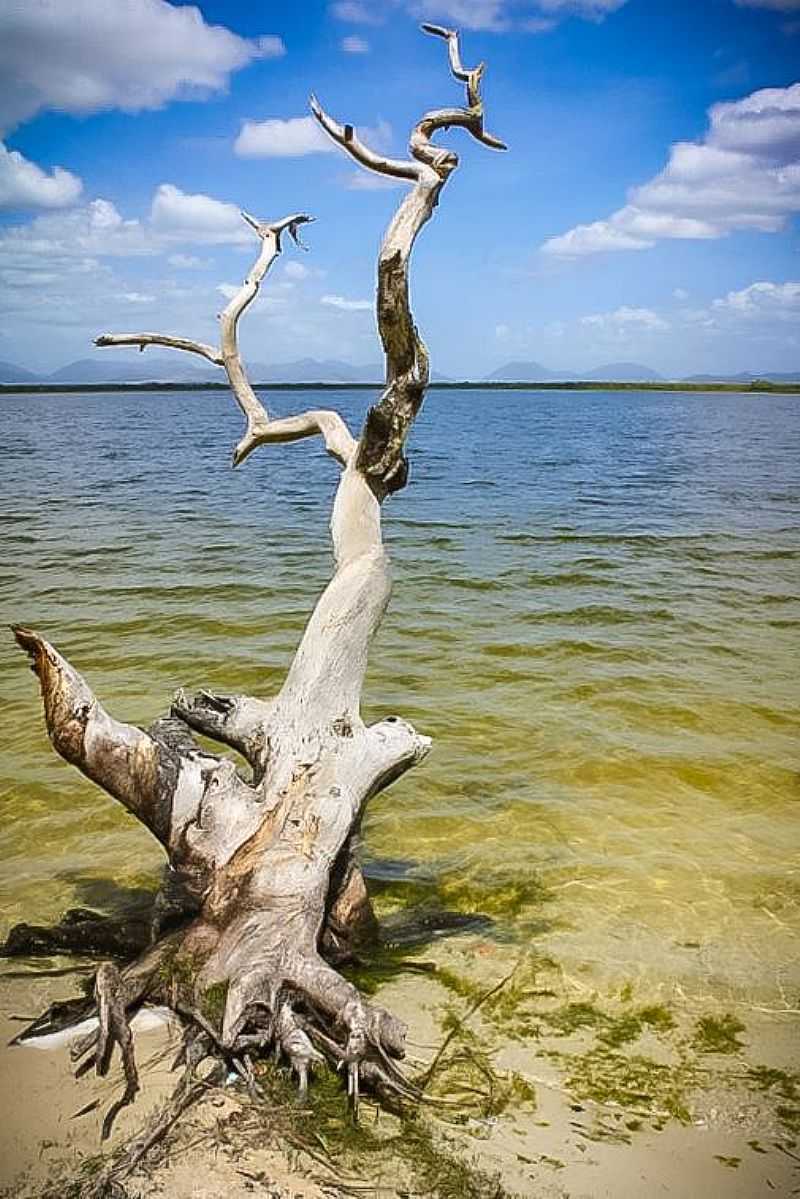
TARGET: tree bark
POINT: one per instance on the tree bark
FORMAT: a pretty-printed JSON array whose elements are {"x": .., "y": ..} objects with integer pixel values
[{"x": 263, "y": 883}]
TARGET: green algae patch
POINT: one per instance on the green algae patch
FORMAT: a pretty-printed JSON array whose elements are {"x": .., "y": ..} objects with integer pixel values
[
  {"x": 718, "y": 1034},
  {"x": 440, "y": 1173},
  {"x": 178, "y": 971},
  {"x": 641, "y": 1086},
  {"x": 622, "y": 1030},
  {"x": 212, "y": 1004},
  {"x": 405, "y": 1150},
  {"x": 781, "y": 1085},
  {"x": 612, "y": 1030}
]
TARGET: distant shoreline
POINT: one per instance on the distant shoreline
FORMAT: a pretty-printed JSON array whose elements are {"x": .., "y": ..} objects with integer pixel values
[{"x": 757, "y": 386}]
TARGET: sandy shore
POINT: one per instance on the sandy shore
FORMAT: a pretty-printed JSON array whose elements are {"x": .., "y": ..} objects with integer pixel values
[{"x": 733, "y": 1144}]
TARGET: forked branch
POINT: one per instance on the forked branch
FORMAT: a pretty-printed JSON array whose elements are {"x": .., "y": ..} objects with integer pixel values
[
  {"x": 380, "y": 454},
  {"x": 260, "y": 428}
]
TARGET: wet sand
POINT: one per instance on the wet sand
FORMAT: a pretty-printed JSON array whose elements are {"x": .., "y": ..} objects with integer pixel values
[{"x": 563, "y": 1145}]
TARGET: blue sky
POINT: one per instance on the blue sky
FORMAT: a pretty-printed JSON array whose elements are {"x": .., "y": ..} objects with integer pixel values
[{"x": 646, "y": 209}]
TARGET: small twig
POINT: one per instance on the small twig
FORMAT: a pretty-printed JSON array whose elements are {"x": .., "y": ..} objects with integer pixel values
[{"x": 429, "y": 1073}]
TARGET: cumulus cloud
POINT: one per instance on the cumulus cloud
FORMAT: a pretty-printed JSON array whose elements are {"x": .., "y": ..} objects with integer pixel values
[
  {"x": 298, "y": 136},
  {"x": 196, "y": 218},
  {"x": 90, "y": 55},
  {"x": 347, "y": 305},
  {"x": 497, "y": 16},
  {"x": 276, "y": 138},
  {"x": 25, "y": 185},
  {"x": 98, "y": 230},
  {"x": 296, "y": 271},
  {"x": 744, "y": 174},
  {"x": 622, "y": 321},
  {"x": 761, "y": 301}
]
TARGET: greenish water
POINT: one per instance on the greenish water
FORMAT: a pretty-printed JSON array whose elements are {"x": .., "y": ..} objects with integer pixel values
[{"x": 595, "y": 617}]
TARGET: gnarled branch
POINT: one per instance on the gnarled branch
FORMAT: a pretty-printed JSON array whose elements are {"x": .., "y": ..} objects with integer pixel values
[
  {"x": 260, "y": 429},
  {"x": 380, "y": 452}
]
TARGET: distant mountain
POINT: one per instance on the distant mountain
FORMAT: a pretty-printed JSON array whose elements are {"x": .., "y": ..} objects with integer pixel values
[
  {"x": 524, "y": 372},
  {"x": 534, "y": 372},
  {"x": 313, "y": 370},
  {"x": 112, "y": 367},
  {"x": 746, "y": 377},
  {"x": 9, "y": 373},
  {"x": 623, "y": 372}
]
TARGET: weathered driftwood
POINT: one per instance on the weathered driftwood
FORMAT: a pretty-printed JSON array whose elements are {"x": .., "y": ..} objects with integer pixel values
[{"x": 263, "y": 890}]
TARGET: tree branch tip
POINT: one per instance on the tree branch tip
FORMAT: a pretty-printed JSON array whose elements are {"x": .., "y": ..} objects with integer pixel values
[
  {"x": 26, "y": 639},
  {"x": 438, "y": 30}
]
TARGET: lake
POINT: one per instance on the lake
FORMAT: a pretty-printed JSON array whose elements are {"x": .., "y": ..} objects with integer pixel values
[{"x": 595, "y": 617}]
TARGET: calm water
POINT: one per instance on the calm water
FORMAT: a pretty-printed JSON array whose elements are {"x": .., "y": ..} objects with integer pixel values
[{"x": 595, "y": 616}]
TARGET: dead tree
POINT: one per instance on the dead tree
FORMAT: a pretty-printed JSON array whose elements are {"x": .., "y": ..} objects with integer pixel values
[{"x": 262, "y": 890}]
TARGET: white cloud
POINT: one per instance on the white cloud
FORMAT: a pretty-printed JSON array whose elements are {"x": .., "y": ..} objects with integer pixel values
[
  {"x": 624, "y": 320},
  {"x": 88, "y": 55},
  {"x": 276, "y": 138},
  {"x": 680, "y": 293},
  {"x": 228, "y": 290},
  {"x": 531, "y": 16},
  {"x": 186, "y": 262},
  {"x": 762, "y": 301},
  {"x": 763, "y": 311},
  {"x": 745, "y": 174},
  {"x": 299, "y": 136},
  {"x": 359, "y": 12},
  {"x": 98, "y": 230},
  {"x": 355, "y": 45},
  {"x": 95, "y": 230},
  {"x": 593, "y": 9},
  {"x": 500, "y": 15},
  {"x": 196, "y": 218},
  {"x": 347, "y": 305},
  {"x": 85, "y": 56},
  {"x": 138, "y": 297},
  {"x": 502, "y": 332},
  {"x": 296, "y": 270},
  {"x": 25, "y": 185}
]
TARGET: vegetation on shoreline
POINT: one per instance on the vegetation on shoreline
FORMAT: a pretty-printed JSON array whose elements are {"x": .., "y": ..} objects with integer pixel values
[{"x": 757, "y": 386}]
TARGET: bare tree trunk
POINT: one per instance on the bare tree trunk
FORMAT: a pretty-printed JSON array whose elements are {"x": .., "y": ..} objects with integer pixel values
[{"x": 263, "y": 873}]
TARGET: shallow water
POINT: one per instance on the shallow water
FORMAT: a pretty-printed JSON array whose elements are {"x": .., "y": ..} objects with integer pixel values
[{"x": 595, "y": 616}]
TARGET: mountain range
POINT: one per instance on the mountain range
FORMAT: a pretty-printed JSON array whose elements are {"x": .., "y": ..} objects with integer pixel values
[
  {"x": 618, "y": 372},
  {"x": 161, "y": 368}
]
